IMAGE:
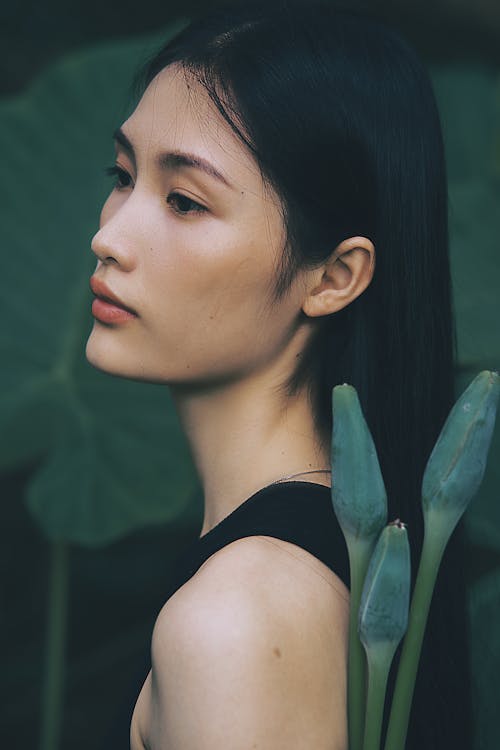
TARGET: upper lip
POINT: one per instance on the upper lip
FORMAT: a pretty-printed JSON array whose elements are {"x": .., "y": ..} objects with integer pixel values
[{"x": 101, "y": 290}]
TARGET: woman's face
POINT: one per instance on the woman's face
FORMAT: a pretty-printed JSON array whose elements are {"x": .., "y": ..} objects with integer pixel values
[{"x": 191, "y": 253}]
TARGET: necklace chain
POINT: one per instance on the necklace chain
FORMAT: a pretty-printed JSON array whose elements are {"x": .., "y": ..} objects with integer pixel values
[{"x": 312, "y": 471}]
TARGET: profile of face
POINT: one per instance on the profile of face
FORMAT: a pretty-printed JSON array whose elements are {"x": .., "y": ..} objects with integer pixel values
[{"x": 189, "y": 238}]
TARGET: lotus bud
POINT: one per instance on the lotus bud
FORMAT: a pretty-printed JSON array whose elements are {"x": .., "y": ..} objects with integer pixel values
[
  {"x": 456, "y": 466},
  {"x": 360, "y": 504},
  {"x": 383, "y": 619},
  {"x": 452, "y": 477},
  {"x": 358, "y": 492}
]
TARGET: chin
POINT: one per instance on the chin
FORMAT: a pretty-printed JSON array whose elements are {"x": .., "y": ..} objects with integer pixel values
[{"x": 107, "y": 357}]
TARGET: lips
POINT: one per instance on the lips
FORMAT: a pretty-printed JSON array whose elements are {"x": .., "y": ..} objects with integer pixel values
[{"x": 103, "y": 292}]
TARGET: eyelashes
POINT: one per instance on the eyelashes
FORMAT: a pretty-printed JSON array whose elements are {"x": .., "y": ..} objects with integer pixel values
[
  {"x": 179, "y": 203},
  {"x": 119, "y": 173}
]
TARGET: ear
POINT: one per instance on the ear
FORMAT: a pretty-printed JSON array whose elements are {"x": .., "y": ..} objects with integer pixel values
[{"x": 340, "y": 279}]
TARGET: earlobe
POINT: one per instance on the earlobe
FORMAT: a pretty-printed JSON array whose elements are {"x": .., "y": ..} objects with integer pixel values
[{"x": 343, "y": 277}]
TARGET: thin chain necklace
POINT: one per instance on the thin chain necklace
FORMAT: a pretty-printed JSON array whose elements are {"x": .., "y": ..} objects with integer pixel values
[{"x": 312, "y": 471}]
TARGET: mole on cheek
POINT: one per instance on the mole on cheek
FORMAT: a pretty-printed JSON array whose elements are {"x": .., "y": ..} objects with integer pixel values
[{"x": 277, "y": 651}]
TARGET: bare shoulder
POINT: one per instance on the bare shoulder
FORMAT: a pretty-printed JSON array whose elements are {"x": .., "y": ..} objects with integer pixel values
[{"x": 251, "y": 652}]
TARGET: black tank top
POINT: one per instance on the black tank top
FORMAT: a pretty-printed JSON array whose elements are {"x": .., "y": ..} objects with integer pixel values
[{"x": 294, "y": 511}]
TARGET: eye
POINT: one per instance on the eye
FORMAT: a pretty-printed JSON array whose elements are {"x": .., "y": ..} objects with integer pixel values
[
  {"x": 183, "y": 205},
  {"x": 120, "y": 175}
]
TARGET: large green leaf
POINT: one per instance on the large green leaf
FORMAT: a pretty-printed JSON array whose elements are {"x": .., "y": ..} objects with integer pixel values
[
  {"x": 483, "y": 604},
  {"x": 109, "y": 452},
  {"x": 469, "y": 103},
  {"x": 475, "y": 249},
  {"x": 468, "y": 98}
]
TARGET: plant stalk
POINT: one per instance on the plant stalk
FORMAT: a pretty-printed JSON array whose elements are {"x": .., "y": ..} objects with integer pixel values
[
  {"x": 378, "y": 672},
  {"x": 55, "y": 637},
  {"x": 356, "y": 682},
  {"x": 432, "y": 552}
]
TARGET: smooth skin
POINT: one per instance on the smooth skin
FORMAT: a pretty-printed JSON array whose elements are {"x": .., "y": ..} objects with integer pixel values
[{"x": 195, "y": 256}]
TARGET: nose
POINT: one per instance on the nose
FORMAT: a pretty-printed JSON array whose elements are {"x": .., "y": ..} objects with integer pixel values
[
  {"x": 112, "y": 243},
  {"x": 101, "y": 250},
  {"x": 109, "y": 248}
]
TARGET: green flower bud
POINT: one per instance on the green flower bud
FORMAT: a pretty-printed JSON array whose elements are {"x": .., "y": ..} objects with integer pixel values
[
  {"x": 360, "y": 504},
  {"x": 457, "y": 463},
  {"x": 358, "y": 492},
  {"x": 385, "y": 600},
  {"x": 452, "y": 477},
  {"x": 383, "y": 619}
]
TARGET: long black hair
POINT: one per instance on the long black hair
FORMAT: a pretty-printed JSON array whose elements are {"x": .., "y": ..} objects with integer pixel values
[{"x": 340, "y": 115}]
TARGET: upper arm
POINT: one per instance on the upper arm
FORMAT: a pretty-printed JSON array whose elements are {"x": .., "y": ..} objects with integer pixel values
[
  {"x": 216, "y": 681},
  {"x": 231, "y": 668}
]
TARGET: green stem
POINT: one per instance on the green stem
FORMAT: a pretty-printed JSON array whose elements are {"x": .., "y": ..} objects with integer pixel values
[
  {"x": 53, "y": 683},
  {"x": 359, "y": 558},
  {"x": 379, "y": 663},
  {"x": 432, "y": 552}
]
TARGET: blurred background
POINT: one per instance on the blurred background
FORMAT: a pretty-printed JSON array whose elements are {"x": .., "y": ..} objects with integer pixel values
[{"x": 98, "y": 491}]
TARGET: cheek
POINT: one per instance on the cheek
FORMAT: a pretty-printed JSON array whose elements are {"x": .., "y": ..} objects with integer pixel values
[
  {"x": 208, "y": 276},
  {"x": 207, "y": 291}
]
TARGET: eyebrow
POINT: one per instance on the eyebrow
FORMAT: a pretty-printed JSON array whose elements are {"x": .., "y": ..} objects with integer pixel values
[{"x": 175, "y": 159}]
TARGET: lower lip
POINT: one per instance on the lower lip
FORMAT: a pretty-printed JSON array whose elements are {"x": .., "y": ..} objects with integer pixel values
[{"x": 109, "y": 313}]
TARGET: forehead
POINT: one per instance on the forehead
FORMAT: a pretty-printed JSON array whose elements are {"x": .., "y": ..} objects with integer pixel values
[{"x": 175, "y": 112}]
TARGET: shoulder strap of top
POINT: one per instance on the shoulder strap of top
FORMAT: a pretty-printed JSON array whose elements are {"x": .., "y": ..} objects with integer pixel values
[{"x": 297, "y": 512}]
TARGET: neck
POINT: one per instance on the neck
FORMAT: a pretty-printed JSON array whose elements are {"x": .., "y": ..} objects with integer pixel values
[{"x": 241, "y": 440}]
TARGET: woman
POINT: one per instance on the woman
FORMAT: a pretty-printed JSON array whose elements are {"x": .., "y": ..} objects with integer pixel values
[{"x": 278, "y": 226}]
